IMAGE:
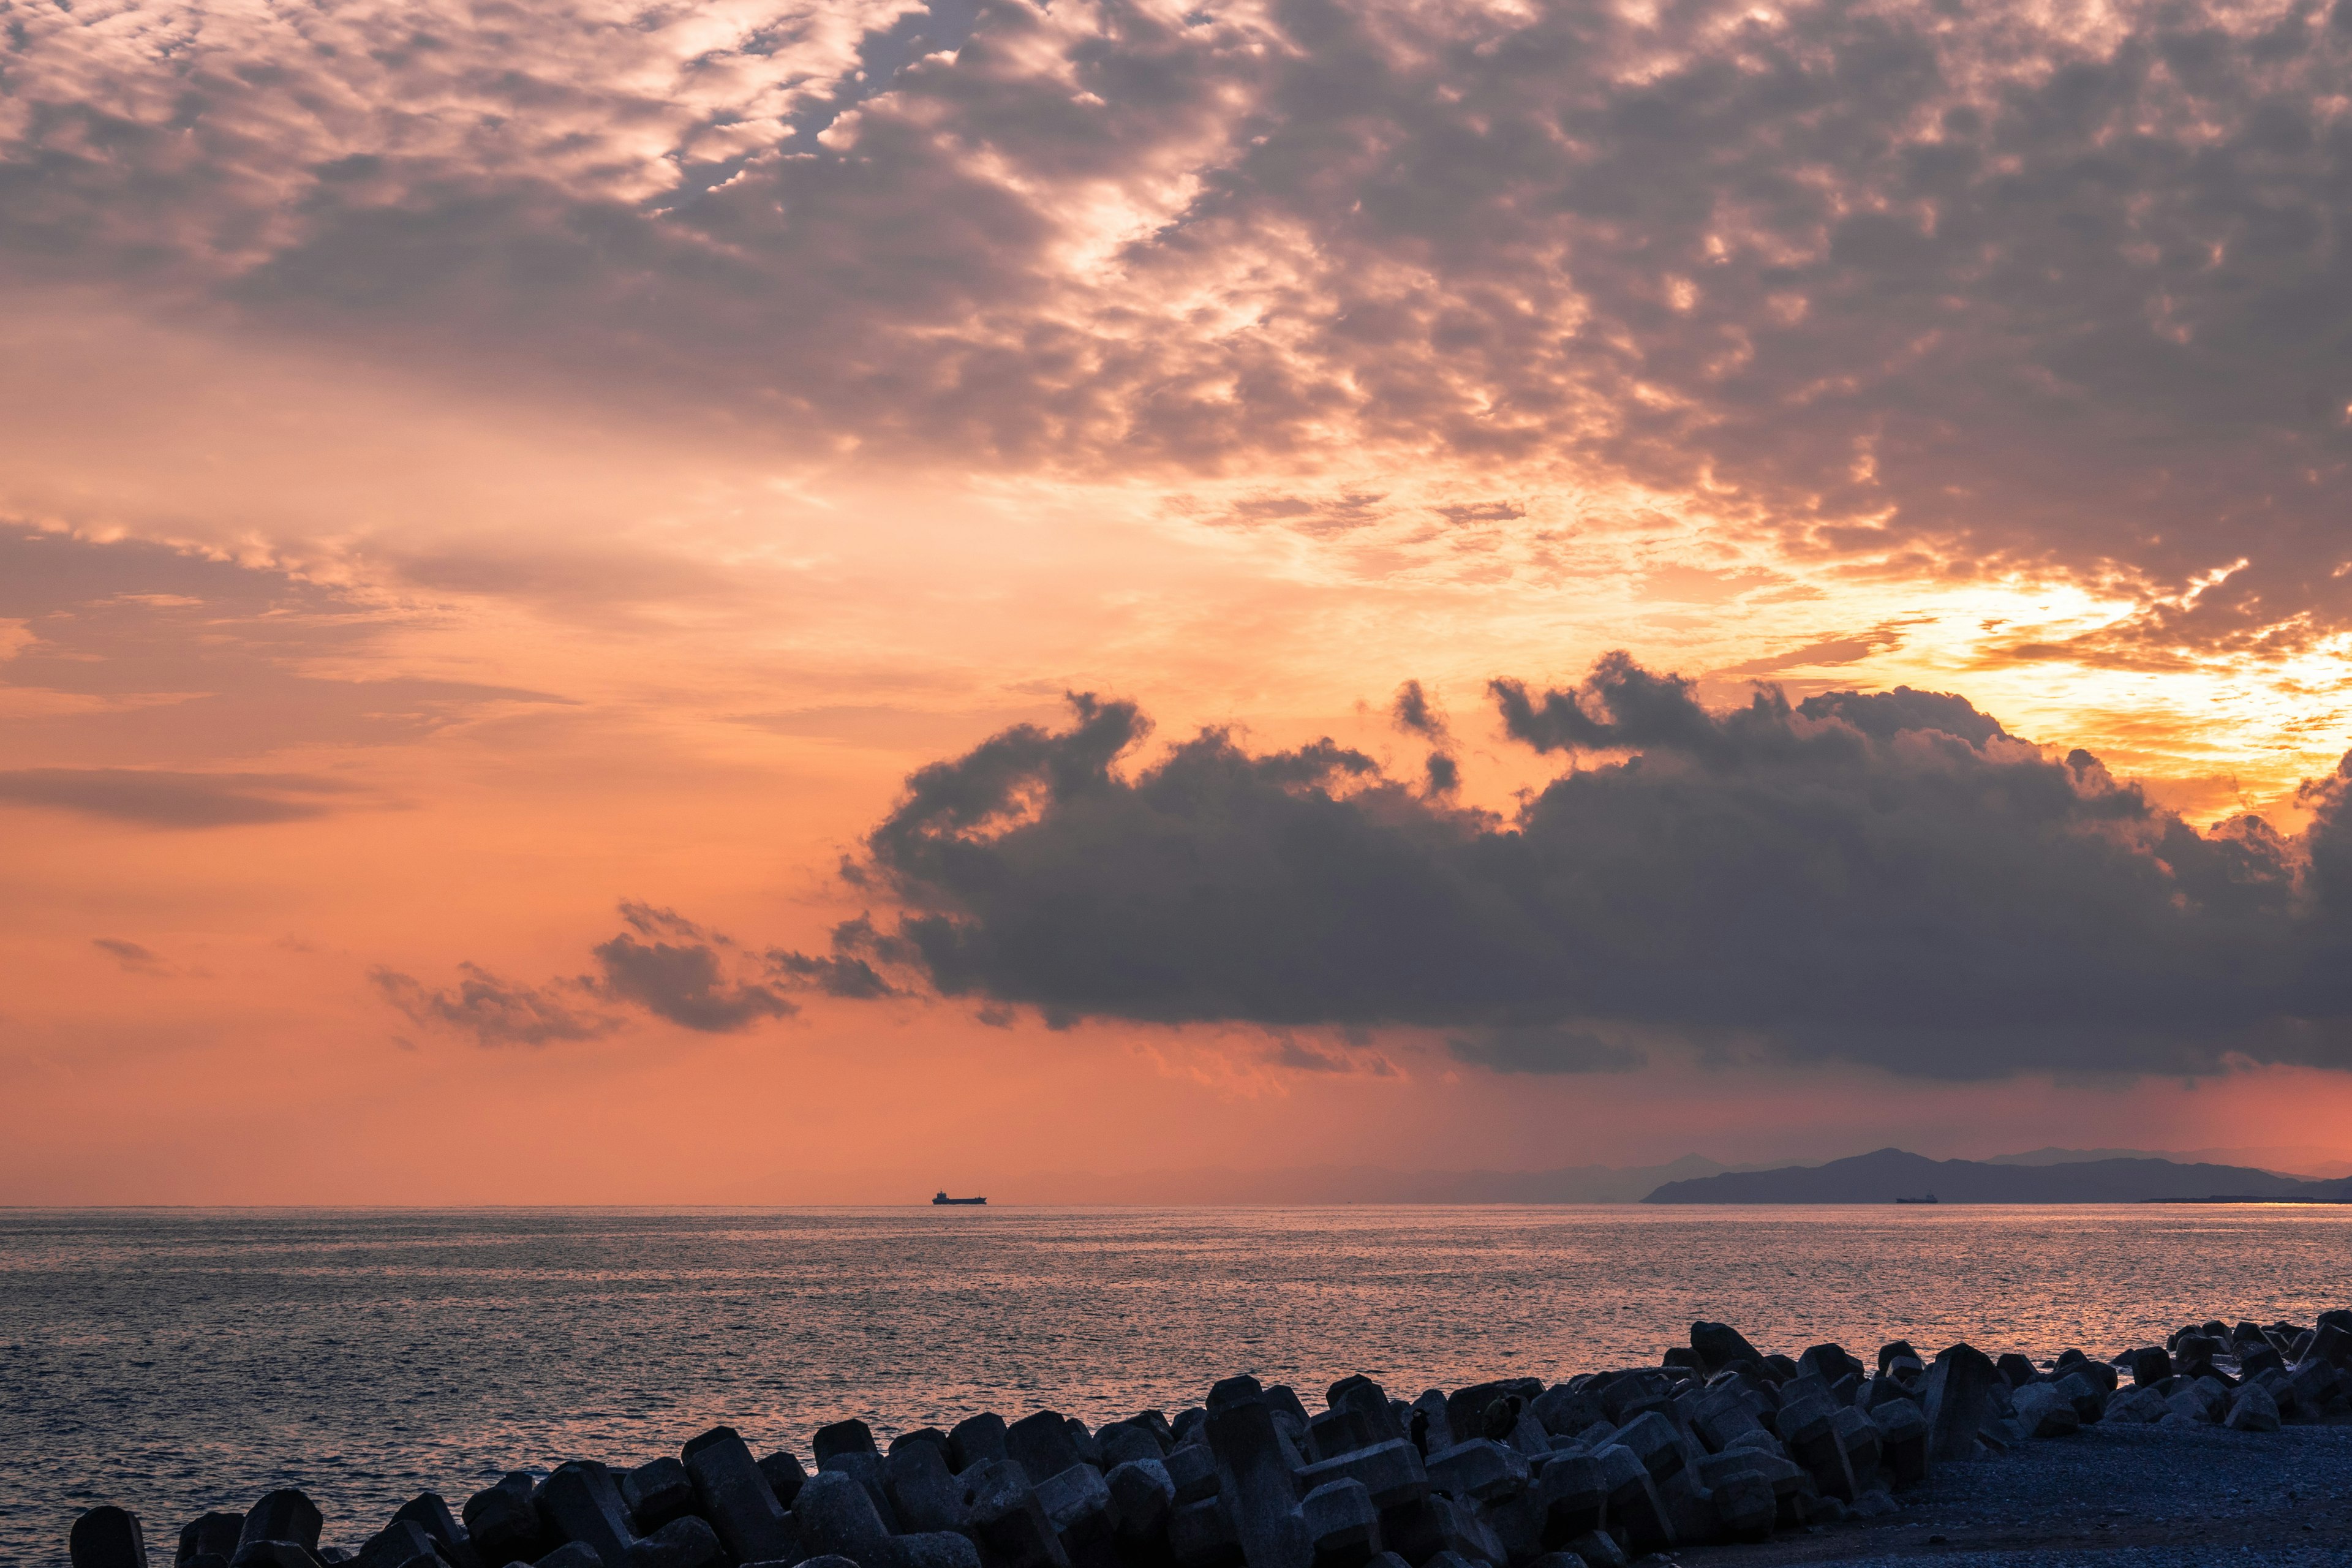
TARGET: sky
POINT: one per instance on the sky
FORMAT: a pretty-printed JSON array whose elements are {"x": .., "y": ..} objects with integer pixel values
[{"x": 740, "y": 602}]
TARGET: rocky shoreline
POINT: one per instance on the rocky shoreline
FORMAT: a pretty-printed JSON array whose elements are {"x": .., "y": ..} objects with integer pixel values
[{"x": 1719, "y": 1445}]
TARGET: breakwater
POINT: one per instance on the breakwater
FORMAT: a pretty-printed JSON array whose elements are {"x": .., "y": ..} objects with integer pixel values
[{"x": 1717, "y": 1442}]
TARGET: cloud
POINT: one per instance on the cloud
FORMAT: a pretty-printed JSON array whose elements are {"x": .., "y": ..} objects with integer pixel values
[
  {"x": 849, "y": 972},
  {"x": 1286, "y": 1049},
  {"x": 1999, "y": 291},
  {"x": 133, "y": 958},
  {"x": 1828, "y": 651},
  {"x": 166, "y": 650},
  {"x": 495, "y": 1011},
  {"x": 666, "y": 965},
  {"x": 153, "y": 797},
  {"x": 686, "y": 981},
  {"x": 1888, "y": 879},
  {"x": 1624, "y": 707},
  {"x": 1412, "y": 713},
  {"x": 1542, "y": 1050},
  {"x": 654, "y": 919}
]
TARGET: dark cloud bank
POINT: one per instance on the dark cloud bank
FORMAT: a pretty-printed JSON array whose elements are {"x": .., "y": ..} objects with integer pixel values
[
  {"x": 1888, "y": 879},
  {"x": 1885, "y": 879}
]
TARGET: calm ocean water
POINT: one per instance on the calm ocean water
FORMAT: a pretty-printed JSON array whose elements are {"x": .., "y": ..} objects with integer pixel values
[{"x": 178, "y": 1359}]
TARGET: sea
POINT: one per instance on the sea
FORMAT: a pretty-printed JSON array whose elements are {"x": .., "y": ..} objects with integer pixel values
[{"x": 180, "y": 1359}]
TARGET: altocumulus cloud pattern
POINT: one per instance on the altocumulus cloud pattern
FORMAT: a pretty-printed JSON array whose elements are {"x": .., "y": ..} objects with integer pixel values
[{"x": 1970, "y": 287}]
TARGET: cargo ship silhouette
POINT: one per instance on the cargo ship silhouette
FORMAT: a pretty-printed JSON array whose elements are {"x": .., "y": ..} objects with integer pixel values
[{"x": 941, "y": 1197}]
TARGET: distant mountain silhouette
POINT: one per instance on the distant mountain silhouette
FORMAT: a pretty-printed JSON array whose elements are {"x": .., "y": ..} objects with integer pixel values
[
  {"x": 2303, "y": 1164},
  {"x": 1891, "y": 1173}
]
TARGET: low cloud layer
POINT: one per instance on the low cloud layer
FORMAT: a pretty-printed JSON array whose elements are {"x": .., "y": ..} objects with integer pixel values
[
  {"x": 1965, "y": 292},
  {"x": 1888, "y": 879},
  {"x": 125, "y": 646},
  {"x": 133, "y": 958},
  {"x": 497, "y": 1011},
  {"x": 156, "y": 797},
  {"x": 674, "y": 968},
  {"x": 663, "y": 965}
]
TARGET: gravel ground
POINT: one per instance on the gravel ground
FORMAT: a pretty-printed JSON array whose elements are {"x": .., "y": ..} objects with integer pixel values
[{"x": 2113, "y": 1497}]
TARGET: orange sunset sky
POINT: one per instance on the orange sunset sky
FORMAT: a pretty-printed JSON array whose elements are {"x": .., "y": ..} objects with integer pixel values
[{"x": 519, "y": 525}]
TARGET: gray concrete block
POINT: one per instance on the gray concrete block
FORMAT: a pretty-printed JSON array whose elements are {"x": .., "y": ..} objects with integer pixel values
[
  {"x": 835, "y": 1515},
  {"x": 979, "y": 1438},
  {"x": 1462, "y": 1531},
  {"x": 925, "y": 1549},
  {"x": 1571, "y": 1494},
  {"x": 1689, "y": 1509},
  {"x": 1720, "y": 1344},
  {"x": 1042, "y": 1446},
  {"x": 1344, "y": 1431},
  {"x": 1857, "y": 1433},
  {"x": 1651, "y": 1439},
  {"x": 286, "y": 1514},
  {"x": 1565, "y": 1409},
  {"x": 579, "y": 1501},
  {"x": 785, "y": 1476},
  {"x": 1004, "y": 1516},
  {"x": 1202, "y": 1535},
  {"x": 1193, "y": 1470},
  {"x": 842, "y": 1437},
  {"x": 1342, "y": 1525},
  {"x": 2251, "y": 1409},
  {"x": 1258, "y": 1484},
  {"x": 924, "y": 1493},
  {"x": 1808, "y": 1429},
  {"x": 107, "y": 1537},
  {"x": 1478, "y": 1471},
  {"x": 502, "y": 1523},
  {"x": 657, "y": 1492},
  {"x": 1142, "y": 1496},
  {"x": 686, "y": 1541},
  {"x": 1599, "y": 1550},
  {"x": 1958, "y": 1402},
  {"x": 866, "y": 1467},
  {"x": 215, "y": 1534},
  {"x": 1634, "y": 1499},
  {"x": 1391, "y": 1472},
  {"x": 1122, "y": 1442},
  {"x": 272, "y": 1555},
  {"x": 737, "y": 1498},
  {"x": 402, "y": 1543},
  {"x": 1077, "y": 1505},
  {"x": 1745, "y": 1507},
  {"x": 2043, "y": 1412}
]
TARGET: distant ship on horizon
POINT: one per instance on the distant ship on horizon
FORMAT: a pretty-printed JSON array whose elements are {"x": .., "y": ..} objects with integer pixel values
[
  {"x": 941, "y": 1197},
  {"x": 1928, "y": 1199}
]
